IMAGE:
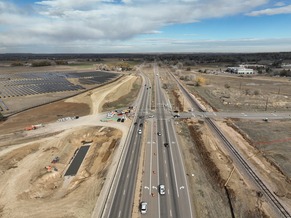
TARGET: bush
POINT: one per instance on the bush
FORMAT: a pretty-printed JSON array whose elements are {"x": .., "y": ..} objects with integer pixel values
[
  {"x": 16, "y": 64},
  {"x": 61, "y": 62},
  {"x": 41, "y": 63},
  {"x": 256, "y": 92},
  {"x": 200, "y": 81},
  {"x": 227, "y": 85}
]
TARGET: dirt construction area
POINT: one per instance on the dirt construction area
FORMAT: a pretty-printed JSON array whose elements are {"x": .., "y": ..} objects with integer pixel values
[
  {"x": 28, "y": 189},
  {"x": 32, "y": 183}
]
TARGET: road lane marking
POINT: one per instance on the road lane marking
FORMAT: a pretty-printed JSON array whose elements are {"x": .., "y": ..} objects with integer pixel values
[
  {"x": 119, "y": 213},
  {"x": 175, "y": 175},
  {"x": 151, "y": 158},
  {"x": 124, "y": 192},
  {"x": 188, "y": 195},
  {"x": 274, "y": 114},
  {"x": 170, "y": 212},
  {"x": 127, "y": 175}
]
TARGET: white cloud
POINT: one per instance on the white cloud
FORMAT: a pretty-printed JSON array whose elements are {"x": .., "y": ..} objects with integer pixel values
[
  {"x": 100, "y": 24},
  {"x": 279, "y": 4},
  {"x": 272, "y": 11}
]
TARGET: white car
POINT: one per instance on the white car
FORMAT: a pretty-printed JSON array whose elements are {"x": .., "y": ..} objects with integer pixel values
[
  {"x": 139, "y": 131},
  {"x": 143, "y": 207},
  {"x": 162, "y": 189}
]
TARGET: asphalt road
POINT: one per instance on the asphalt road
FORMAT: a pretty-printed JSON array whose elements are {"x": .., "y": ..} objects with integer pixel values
[
  {"x": 241, "y": 115},
  {"x": 123, "y": 192},
  {"x": 164, "y": 165},
  {"x": 77, "y": 161}
]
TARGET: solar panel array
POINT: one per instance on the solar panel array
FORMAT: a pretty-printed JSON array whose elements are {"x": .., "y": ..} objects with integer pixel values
[
  {"x": 92, "y": 78},
  {"x": 13, "y": 85}
]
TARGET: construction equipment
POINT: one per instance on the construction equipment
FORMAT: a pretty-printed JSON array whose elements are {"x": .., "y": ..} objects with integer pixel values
[{"x": 55, "y": 160}]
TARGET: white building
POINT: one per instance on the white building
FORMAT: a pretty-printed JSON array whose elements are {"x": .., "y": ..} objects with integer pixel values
[
  {"x": 245, "y": 71},
  {"x": 240, "y": 70}
]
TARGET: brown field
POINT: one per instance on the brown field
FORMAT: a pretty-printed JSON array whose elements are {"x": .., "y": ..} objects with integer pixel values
[
  {"x": 234, "y": 93},
  {"x": 273, "y": 138}
]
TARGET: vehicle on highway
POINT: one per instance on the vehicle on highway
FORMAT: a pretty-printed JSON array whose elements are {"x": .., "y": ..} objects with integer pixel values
[
  {"x": 143, "y": 207},
  {"x": 176, "y": 115},
  {"x": 162, "y": 189},
  {"x": 139, "y": 131},
  {"x": 141, "y": 124},
  {"x": 159, "y": 134},
  {"x": 151, "y": 116},
  {"x": 166, "y": 144}
]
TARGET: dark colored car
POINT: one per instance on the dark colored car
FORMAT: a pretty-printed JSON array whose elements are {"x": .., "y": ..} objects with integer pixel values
[{"x": 166, "y": 144}]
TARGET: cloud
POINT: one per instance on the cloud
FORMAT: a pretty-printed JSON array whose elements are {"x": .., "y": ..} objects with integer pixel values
[
  {"x": 272, "y": 11},
  {"x": 69, "y": 23},
  {"x": 279, "y": 4}
]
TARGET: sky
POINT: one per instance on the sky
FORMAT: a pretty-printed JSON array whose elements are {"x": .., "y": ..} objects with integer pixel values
[{"x": 144, "y": 26}]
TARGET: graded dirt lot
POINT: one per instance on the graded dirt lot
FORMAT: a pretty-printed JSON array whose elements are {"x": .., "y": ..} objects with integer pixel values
[
  {"x": 29, "y": 190},
  {"x": 43, "y": 114}
]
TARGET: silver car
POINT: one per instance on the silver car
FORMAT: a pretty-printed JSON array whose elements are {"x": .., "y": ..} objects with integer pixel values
[
  {"x": 143, "y": 207},
  {"x": 162, "y": 189}
]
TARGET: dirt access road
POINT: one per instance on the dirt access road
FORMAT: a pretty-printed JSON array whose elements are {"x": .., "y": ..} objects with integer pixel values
[{"x": 27, "y": 189}]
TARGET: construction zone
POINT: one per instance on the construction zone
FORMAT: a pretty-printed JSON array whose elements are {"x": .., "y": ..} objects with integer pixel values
[{"x": 35, "y": 174}]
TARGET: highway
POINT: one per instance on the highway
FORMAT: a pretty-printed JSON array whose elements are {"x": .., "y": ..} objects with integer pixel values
[
  {"x": 163, "y": 162},
  {"x": 164, "y": 165},
  {"x": 120, "y": 201}
]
